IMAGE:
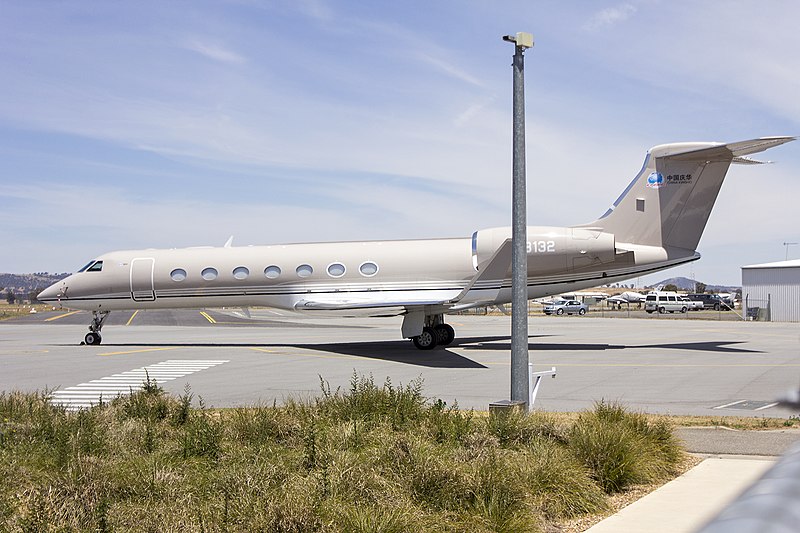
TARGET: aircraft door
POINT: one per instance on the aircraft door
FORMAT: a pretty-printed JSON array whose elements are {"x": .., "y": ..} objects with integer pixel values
[{"x": 142, "y": 280}]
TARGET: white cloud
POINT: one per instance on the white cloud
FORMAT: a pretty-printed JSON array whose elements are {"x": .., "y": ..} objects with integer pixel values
[
  {"x": 610, "y": 16},
  {"x": 215, "y": 51}
]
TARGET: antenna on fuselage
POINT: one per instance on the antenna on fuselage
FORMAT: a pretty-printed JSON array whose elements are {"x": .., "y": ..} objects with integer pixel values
[{"x": 229, "y": 242}]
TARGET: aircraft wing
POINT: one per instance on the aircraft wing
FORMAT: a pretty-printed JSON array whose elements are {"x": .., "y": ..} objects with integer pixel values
[
  {"x": 496, "y": 268},
  {"x": 375, "y": 300}
]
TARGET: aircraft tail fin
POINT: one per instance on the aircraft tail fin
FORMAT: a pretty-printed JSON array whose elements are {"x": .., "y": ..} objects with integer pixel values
[{"x": 668, "y": 203}]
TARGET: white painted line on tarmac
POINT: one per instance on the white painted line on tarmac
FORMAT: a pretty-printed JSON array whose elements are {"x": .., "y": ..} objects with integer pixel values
[
  {"x": 729, "y": 404},
  {"x": 773, "y": 404},
  {"x": 107, "y": 388}
]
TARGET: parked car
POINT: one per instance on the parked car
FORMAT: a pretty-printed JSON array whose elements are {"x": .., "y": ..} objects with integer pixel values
[
  {"x": 692, "y": 305},
  {"x": 570, "y": 307},
  {"x": 664, "y": 301},
  {"x": 710, "y": 301}
]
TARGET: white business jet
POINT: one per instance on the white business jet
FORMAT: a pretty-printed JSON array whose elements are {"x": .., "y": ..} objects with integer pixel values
[{"x": 656, "y": 223}]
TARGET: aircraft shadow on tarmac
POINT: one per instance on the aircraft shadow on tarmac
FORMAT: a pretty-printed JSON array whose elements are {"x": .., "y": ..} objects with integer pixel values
[
  {"x": 706, "y": 346},
  {"x": 401, "y": 351}
]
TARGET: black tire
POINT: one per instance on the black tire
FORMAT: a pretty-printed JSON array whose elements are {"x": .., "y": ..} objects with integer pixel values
[
  {"x": 581, "y": 311},
  {"x": 684, "y": 309},
  {"x": 650, "y": 312},
  {"x": 716, "y": 307},
  {"x": 92, "y": 338},
  {"x": 661, "y": 310},
  {"x": 446, "y": 334},
  {"x": 559, "y": 311},
  {"x": 427, "y": 340}
]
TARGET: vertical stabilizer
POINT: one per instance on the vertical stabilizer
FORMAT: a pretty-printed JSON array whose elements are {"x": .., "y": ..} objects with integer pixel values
[{"x": 668, "y": 203}]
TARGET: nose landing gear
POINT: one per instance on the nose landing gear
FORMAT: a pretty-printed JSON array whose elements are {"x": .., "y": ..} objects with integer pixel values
[{"x": 93, "y": 338}]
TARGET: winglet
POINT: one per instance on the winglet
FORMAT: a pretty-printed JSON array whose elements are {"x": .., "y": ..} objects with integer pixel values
[{"x": 496, "y": 268}]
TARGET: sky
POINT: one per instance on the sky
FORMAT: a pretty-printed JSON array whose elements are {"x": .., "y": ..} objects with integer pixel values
[{"x": 127, "y": 125}]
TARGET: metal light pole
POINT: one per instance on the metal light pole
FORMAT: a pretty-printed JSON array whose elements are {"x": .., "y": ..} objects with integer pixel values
[{"x": 520, "y": 387}]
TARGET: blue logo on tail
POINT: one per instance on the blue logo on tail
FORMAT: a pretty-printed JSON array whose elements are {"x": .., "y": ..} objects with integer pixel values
[{"x": 655, "y": 180}]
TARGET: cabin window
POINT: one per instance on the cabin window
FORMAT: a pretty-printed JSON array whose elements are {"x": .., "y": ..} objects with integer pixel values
[
  {"x": 304, "y": 271},
  {"x": 241, "y": 272},
  {"x": 272, "y": 271},
  {"x": 336, "y": 270},
  {"x": 368, "y": 268},
  {"x": 178, "y": 274},
  {"x": 209, "y": 273},
  {"x": 97, "y": 266}
]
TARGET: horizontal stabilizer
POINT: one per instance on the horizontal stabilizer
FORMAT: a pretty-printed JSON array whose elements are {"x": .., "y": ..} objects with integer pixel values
[
  {"x": 748, "y": 161},
  {"x": 727, "y": 152}
]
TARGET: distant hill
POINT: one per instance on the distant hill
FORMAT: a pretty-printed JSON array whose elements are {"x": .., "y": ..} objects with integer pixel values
[
  {"x": 686, "y": 284},
  {"x": 23, "y": 284}
]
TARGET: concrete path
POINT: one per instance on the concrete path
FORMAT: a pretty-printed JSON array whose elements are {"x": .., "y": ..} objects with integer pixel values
[{"x": 688, "y": 502}]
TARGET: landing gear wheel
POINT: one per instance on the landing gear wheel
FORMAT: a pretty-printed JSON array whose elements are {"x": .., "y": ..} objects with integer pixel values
[
  {"x": 559, "y": 311},
  {"x": 426, "y": 340},
  {"x": 445, "y": 333},
  {"x": 581, "y": 311},
  {"x": 92, "y": 338}
]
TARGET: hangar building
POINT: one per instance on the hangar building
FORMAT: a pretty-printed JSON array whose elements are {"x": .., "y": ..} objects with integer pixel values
[{"x": 771, "y": 291}]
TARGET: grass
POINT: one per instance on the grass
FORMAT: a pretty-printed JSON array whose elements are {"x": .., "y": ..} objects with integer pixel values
[
  {"x": 16, "y": 310},
  {"x": 371, "y": 458}
]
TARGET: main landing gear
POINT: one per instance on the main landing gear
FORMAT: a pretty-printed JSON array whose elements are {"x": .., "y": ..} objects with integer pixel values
[
  {"x": 93, "y": 338},
  {"x": 435, "y": 332}
]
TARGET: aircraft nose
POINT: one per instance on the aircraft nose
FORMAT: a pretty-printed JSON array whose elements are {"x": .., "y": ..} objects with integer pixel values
[{"x": 53, "y": 293}]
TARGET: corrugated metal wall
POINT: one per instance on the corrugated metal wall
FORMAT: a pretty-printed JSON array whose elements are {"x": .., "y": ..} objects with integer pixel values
[{"x": 781, "y": 285}]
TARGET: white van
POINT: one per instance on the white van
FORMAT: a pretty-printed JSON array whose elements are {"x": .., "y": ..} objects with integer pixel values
[{"x": 663, "y": 301}]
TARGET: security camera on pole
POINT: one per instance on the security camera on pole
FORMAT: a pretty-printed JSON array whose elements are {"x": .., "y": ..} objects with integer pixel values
[{"x": 520, "y": 388}]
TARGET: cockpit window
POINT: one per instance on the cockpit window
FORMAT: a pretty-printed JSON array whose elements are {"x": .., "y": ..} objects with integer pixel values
[{"x": 92, "y": 266}]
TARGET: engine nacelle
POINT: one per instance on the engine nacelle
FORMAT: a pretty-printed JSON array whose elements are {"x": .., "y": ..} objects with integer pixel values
[{"x": 551, "y": 250}]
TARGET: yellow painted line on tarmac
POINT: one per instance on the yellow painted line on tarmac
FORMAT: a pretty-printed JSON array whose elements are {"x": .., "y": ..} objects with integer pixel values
[
  {"x": 60, "y": 316},
  {"x": 208, "y": 317},
  {"x": 316, "y": 355},
  {"x": 131, "y": 318},
  {"x": 140, "y": 351}
]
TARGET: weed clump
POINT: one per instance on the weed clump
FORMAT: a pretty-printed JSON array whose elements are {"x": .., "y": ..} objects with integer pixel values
[
  {"x": 621, "y": 448},
  {"x": 369, "y": 458}
]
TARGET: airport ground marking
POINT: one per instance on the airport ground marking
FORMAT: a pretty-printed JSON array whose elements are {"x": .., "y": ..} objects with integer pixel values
[
  {"x": 141, "y": 351},
  {"x": 93, "y": 392},
  {"x": 317, "y": 355},
  {"x": 60, "y": 316},
  {"x": 737, "y": 402},
  {"x": 208, "y": 317},
  {"x": 773, "y": 404},
  {"x": 131, "y": 318}
]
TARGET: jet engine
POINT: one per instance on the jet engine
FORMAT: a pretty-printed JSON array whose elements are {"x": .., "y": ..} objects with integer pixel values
[{"x": 551, "y": 250}]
